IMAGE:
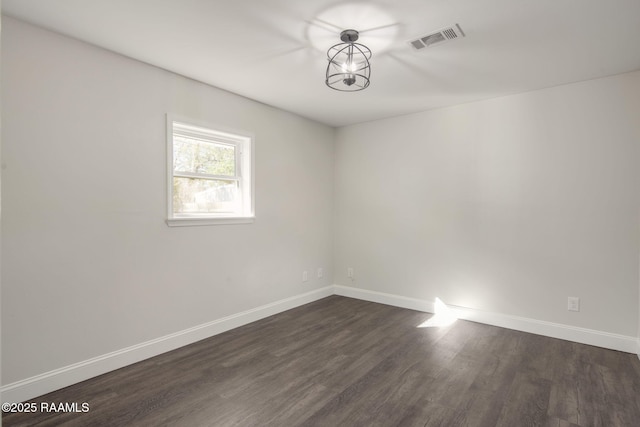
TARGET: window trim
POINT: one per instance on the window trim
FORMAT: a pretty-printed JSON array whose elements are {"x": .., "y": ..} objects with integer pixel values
[{"x": 244, "y": 167}]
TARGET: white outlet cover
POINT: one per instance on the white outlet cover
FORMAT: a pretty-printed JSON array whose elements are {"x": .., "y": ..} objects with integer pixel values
[{"x": 573, "y": 304}]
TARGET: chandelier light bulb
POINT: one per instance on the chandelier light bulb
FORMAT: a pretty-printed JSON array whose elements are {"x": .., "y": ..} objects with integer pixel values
[{"x": 349, "y": 67}]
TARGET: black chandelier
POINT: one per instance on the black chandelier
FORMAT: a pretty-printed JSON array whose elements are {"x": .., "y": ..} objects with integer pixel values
[{"x": 348, "y": 69}]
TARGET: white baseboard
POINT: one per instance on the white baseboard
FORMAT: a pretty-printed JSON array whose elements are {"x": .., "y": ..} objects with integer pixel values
[
  {"x": 383, "y": 298},
  {"x": 49, "y": 381},
  {"x": 539, "y": 327},
  {"x": 38, "y": 385}
]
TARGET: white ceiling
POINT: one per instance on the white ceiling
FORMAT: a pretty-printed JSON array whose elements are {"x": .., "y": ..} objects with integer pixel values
[{"x": 274, "y": 51}]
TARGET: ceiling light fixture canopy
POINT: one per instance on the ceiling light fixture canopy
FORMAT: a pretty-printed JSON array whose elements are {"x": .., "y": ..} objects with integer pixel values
[{"x": 348, "y": 69}]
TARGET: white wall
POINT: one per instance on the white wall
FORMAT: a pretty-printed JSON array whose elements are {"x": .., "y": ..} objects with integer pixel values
[
  {"x": 508, "y": 205},
  {"x": 89, "y": 265}
]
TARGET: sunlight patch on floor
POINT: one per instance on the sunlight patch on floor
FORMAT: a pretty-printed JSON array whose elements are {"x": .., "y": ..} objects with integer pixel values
[{"x": 444, "y": 316}]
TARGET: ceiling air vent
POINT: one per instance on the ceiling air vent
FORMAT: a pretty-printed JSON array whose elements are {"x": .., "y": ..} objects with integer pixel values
[{"x": 436, "y": 37}]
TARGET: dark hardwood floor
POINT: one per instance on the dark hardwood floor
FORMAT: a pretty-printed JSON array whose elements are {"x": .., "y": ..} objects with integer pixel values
[{"x": 345, "y": 362}]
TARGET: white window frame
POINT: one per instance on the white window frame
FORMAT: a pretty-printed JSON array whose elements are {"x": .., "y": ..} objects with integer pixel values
[{"x": 243, "y": 141}]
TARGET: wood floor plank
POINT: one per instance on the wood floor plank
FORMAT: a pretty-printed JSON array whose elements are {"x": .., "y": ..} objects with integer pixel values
[
  {"x": 345, "y": 362},
  {"x": 557, "y": 422},
  {"x": 430, "y": 414},
  {"x": 484, "y": 402},
  {"x": 527, "y": 403},
  {"x": 564, "y": 400}
]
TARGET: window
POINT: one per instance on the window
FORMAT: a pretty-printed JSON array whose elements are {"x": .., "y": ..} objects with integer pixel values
[{"x": 209, "y": 175}]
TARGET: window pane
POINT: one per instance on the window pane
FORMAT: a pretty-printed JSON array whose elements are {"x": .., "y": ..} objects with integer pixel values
[
  {"x": 191, "y": 155},
  {"x": 204, "y": 196}
]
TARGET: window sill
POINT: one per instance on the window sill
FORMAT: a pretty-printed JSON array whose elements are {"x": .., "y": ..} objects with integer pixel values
[{"x": 189, "y": 222}]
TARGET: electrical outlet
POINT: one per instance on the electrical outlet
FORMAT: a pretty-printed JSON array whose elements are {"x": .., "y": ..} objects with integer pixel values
[
  {"x": 320, "y": 273},
  {"x": 573, "y": 304},
  {"x": 305, "y": 276},
  {"x": 350, "y": 272}
]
